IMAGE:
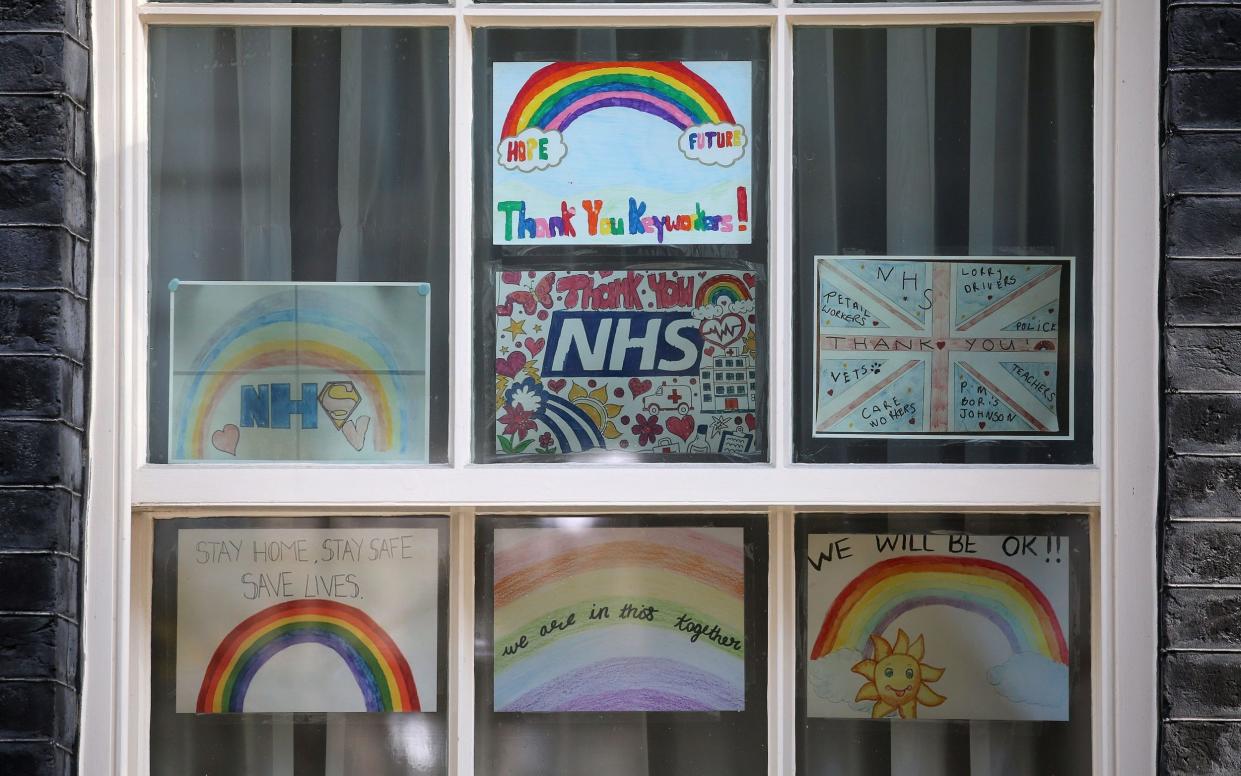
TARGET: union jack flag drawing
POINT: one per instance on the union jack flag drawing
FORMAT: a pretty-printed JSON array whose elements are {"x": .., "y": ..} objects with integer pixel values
[{"x": 944, "y": 347}]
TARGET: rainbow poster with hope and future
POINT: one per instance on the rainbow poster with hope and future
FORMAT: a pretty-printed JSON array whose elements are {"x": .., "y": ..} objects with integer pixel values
[
  {"x": 331, "y": 619},
  {"x": 937, "y": 626},
  {"x": 622, "y": 153},
  {"x": 619, "y": 619},
  {"x": 298, "y": 371}
]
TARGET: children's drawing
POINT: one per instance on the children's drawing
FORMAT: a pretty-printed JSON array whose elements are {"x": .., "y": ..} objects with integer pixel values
[
  {"x": 621, "y": 153},
  {"x": 662, "y": 362},
  {"x": 619, "y": 619},
  {"x": 273, "y": 620},
  {"x": 987, "y": 615},
  {"x": 944, "y": 347},
  {"x": 299, "y": 371}
]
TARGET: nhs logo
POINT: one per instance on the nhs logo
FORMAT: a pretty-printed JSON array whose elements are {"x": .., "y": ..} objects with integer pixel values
[{"x": 596, "y": 343}]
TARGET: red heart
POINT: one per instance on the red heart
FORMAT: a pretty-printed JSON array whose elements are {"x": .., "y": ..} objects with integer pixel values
[
  {"x": 504, "y": 310},
  {"x": 638, "y": 387},
  {"x": 874, "y": 323},
  {"x": 982, "y": 425},
  {"x": 512, "y": 278},
  {"x": 940, "y": 344},
  {"x": 831, "y": 391},
  {"x": 535, "y": 346},
  {"x": 225, "y": 440},
  {"x": 749, "y": 279},
  {"x": 709, "y": 351},
  {"x": 913, "y": 421},
  {"x": 682, "y": 427},
  {"x": 509, "y": 367},
  {"x": 556, "y": 385},
  {"x": 751, "y": 421},
  {"x": 722, "y": 331}
]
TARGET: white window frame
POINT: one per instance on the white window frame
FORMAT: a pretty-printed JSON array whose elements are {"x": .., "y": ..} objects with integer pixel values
[{"x": 125, "y": 493}]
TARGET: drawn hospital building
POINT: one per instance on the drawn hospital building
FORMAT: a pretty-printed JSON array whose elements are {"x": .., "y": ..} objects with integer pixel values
[{"x": 728, "y": 382}]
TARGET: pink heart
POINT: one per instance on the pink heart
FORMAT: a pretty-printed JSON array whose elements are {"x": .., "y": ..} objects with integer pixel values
[
  {"x": 638, "y": 387},
  {"x": 709, "y": 351},
  {"x": 556, "y": 385},
  {"x": 510, "y": 366},
  {"x": 355, "y": 431},
  {"x": 682, "y": 427},
  {"x": 512, "y": 278},
  {"x": 225, "y": 440},
  {"x": 722, "y": 331},
  {"x": 504, "y": 310},
  {"x": 535, "y": 346}
]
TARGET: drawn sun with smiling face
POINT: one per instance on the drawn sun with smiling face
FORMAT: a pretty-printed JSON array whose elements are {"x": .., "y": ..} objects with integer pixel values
[{"x": 897, "y": 678}]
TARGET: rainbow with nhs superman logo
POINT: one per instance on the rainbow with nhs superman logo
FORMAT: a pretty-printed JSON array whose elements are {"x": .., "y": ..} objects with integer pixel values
[
  {"x": 315, "y": 334},
  {"x": 557, "y": 95}
]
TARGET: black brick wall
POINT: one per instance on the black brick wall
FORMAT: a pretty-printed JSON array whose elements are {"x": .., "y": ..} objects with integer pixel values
[
  {"x": 44, "y": 265},
  {"x": 1201, "y": 532}
]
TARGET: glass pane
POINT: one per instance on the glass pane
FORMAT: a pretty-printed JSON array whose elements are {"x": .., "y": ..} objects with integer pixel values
[
  {"x": 944, "y": 237},
  {"x": 316, "y": 159},
  {"x": 621, "y": 645},
  {"x": 299, "y": 645},
  {"x": 943, "y": 644},
  {"x": 621, "y": 244}
]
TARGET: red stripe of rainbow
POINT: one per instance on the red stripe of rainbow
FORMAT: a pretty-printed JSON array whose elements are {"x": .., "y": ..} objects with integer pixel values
[
  {"x": 254, "y": 640},
  {"x": 728, "y": 287}
]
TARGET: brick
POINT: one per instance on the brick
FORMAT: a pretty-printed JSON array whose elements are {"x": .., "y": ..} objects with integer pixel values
[
  {"x": 38, "y": 647},
  {"x": 52, "y": 322},
  {"x": 1202, "y": 684},
  {"x": 1202, "y": 618},
  {"x": 1202, "y": 359},
  {"x": 40, "y": 519},
  {"x": 1203, "y": 487},
  {"x": 40, "y": 583},
  {"x": 42, "y": 127},
  {"x": 43, "y": 193},
  {"x": 43, "y": 62},
  {"x": 42, "y": 257},
  {"x": 1201, "y": 749},
  {"x": 41, "y": 387},
  {"x": 1204, "y": 36},
  {"x": 1208, "y": 163},
  {"x": 38, "y": 710},
  {"x": 1203, "y": 227},
  {"x": 1203, "y": 423},
  {"x": 1203, "y": 100},
  {"x": 1202, "y": 291},
  {"x": 70, "y": 15},
  {"x": 1202, "y": 553},
  {"x": 40, "y": 453}
]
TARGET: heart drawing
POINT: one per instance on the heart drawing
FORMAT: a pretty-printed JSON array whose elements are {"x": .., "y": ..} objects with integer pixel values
[
  {"x": 722, "y": 331},
  {"x": 682, "y": 427},
  {"x": 510, "y": 366},
  {"x": 225, "y": 440}
]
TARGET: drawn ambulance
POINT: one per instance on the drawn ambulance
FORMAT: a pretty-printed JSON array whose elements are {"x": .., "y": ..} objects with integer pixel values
[
  {"x": 729, "y": 383},
  {"x": 671, "y": 396}
]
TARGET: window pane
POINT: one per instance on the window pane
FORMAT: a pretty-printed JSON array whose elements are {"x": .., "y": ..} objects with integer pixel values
[
  {"x": 944, "y": 244},
  {"x": 621, "y": 645},
  {"x": 621, "y": 244},
  {"x": 943, "y": 644},
  {"x": 299, "y": 645},
  {"x": 315, "y": 158}
]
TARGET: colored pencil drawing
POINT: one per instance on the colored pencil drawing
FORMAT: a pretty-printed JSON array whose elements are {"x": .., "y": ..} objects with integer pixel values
[
  {"x": 269, "y": 371},
  {"x": 661, "y": 362},
  {"x": 619, "y": 619},
  {"x": 988, "y": 612},
  {"x": 630, "y": 153},
  {"x": 274, "y": 620}
]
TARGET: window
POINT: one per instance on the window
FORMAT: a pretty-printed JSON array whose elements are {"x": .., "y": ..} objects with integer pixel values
[{"x": 396, "y": 193}]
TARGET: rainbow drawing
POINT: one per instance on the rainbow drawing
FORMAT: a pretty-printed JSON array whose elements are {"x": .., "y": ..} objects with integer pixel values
[
  {"x": 381, "y": 671},
  {"x": 719, "y": 288},
  {"x": 297, "y": 327},
  {"x": 556, "y": 95},
  {"x": 608, "y": 651},
  {"x": 994, "y": 591}
]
